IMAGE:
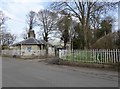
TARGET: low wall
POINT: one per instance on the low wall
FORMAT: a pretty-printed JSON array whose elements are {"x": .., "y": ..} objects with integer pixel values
[{"x": 26, "y": 54}]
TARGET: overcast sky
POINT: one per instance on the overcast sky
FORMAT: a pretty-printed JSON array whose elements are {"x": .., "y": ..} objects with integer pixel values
[{"x": 17, "y": 11}]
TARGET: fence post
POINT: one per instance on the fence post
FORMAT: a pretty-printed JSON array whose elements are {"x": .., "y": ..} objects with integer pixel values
[
  {"x": 118, "y": 55},
  {"x": 114, "y": 56}
]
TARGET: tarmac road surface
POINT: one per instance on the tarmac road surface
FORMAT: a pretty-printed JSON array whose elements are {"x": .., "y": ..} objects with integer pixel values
[{"x": 25, "y": 73}]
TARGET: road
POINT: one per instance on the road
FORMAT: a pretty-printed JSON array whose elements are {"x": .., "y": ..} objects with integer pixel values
[{"x": 26, "y": 73}]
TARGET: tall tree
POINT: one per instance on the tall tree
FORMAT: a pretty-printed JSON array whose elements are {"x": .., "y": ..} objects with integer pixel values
[
  {"x": 105, "y": 27},
  {"x": 78, "y": 39},
  {"x": 31, "y": 20},
  {"x": 83, "y": 10},
  {"x": 7, "y": 39},
  {"x": 3, "y": 19},
  {"x": 47, "y": 21},
  {"x": 64, "y": 25},
  {"x": 31, "y": 23}
]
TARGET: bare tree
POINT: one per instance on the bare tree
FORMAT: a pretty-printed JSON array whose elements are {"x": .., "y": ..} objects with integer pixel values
[
  {"x": 7, "y": 38},
  {"x": 84, "y": 11},
  {"x": 47, "y": 21},
  {"x": 2, "y": 22},
  {"x": 31, "y": 20},
  {"x": 3, "y": 19}
]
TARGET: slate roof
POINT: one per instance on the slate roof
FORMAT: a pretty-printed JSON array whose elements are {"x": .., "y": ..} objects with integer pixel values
[{"x": 31, "y": 41}]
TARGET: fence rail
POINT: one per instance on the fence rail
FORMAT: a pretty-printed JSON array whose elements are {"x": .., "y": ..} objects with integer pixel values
[{"x": 91, "y": 56}]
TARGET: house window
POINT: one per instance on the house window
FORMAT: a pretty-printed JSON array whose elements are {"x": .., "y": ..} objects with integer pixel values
[{"x": 29, "y": 49}]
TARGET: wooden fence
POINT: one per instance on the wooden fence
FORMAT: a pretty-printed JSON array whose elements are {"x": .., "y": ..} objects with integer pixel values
[{"x": 91, "y": 56}]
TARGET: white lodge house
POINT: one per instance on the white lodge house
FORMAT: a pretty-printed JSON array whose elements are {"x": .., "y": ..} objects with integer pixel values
[{"x": 31, "y": 47}]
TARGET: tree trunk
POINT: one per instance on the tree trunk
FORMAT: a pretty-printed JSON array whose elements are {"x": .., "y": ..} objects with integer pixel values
[
  {"x": 46, "y": 46},
  {"x": 85, "y": 39},
  {"x": 64, "y": 45},
  {"x": 85, "y": 36}
]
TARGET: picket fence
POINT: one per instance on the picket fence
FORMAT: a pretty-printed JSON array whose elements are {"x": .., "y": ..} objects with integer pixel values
[{"x": 91, "y": 56}]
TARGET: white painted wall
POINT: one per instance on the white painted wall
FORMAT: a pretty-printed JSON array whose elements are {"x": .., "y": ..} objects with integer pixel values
[{"x": 35, "y": 50}]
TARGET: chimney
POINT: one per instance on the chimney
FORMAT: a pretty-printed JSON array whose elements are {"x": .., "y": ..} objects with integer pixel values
[{"x": 31, "y": 34}]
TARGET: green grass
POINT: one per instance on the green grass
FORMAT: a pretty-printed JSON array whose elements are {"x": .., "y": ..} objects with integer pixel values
[
  {"x": 84, "y": 56},
  {"x": 81, "y": 56}
]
